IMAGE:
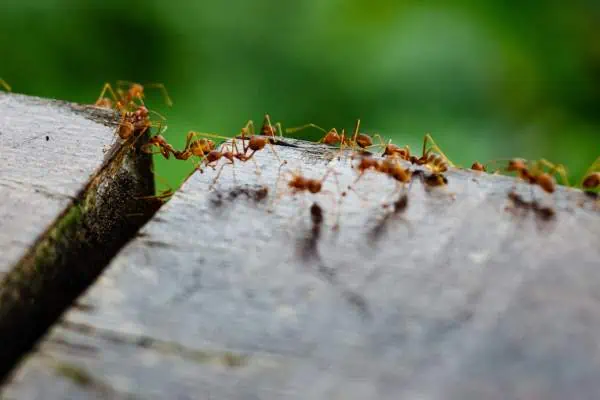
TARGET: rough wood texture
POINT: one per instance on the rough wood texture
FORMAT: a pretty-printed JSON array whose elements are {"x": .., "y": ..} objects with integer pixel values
[
  {"x": 48, "y": 153},
  {"x": 455, "y": 298},
  {"x": 67, "y": 206}
]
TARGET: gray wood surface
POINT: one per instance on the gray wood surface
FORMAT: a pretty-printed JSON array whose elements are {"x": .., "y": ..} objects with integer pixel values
[
  {"x": 68, "y": 195},
  {"x": 48, "y": 153},
  {"x": 225, "y": 295}
]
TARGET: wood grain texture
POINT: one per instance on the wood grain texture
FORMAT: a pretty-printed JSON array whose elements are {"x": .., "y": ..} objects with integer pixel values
[
  {"x": 49, "y": 150},
  {"x": 225, "y": 295},
  {"x": 68, "y": 205}
]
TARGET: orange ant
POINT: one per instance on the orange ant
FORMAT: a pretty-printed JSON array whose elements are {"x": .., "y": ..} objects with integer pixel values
[
  {"x": 332, "y": 137},
  {"x": 591, "y": 179},
  {"x": 437, "y": 163},
  {"x": 257, "y": 142},
  {"x": 477, "y": 166},
  {"x": 387, "y": 166},
  {"x": 125, "y": 99},
  {"x": 536, "y": 174},
  {"x": 136, "y": 122},
  {"x": 5, "y": 85}
]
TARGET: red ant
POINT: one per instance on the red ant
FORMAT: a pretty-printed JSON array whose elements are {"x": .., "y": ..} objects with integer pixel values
[
  {"x": 437, "y": 163},
  {"x": 387, "y": 166},
  {"x": 536, "y": 174},
  {"x": 136, "y": 122},
  {"x": 477, "y": 166},
  {"x": 125, "y": 99},
  {"x": 332, "y": 137},
  {"x": 257, "y": 142}
]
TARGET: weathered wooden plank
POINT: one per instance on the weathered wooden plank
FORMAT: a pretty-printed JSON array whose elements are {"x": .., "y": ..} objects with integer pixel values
[
  {"x": 66, "y": 205},
  {"x": 224, "y": 295},
  {"x": 49, "y": 152}
]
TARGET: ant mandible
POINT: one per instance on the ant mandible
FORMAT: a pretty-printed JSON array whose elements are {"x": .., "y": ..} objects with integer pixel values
[{"x": 159, "y": 141}]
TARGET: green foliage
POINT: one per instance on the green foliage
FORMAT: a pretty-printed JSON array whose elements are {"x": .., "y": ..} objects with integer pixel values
[{"x": 491, "y": 80}]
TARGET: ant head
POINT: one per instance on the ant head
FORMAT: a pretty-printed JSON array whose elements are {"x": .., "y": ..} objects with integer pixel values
[
  {"x": 142, "y": 112},
  {"x": 517, "y": 164},
  {"x": 136, "y": 90},
  {"x": 157, "y": 139}
]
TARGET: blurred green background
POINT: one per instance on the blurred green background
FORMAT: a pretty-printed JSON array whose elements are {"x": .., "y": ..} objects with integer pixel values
[{"x": 488, "y": 80}]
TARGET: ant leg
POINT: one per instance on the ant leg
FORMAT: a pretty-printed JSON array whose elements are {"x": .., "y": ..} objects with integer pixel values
[
  {"x": 382, "y": 143},
  {"x": 355, "y": 134},
  {"x": 279, "y": 129},
  {"x": 216, "y": 178},
  {"x": 159, "y": 115},
  {"x": 275, "y": 154},
  {"x": 267, "y": 122},
  {"x": 303, "y": 127},
  {"x": 433, "y": 146},
  {"x": 107, "y": 87},
  {"x": 161, "y": 87},
  {"x": 5, "y": 85},
  {"x": 247, "y": 129}
]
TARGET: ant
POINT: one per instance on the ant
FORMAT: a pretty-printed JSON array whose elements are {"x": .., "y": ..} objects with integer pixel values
[
  {"x": 301, "y": 184},
  {"x": 437, "y": 163},
  {"x": 258, "y": 142},
  {"x": 125, "y": 99},
  {"x": 477, "y": 166},
  {"x": 536, "y": 174},
  {"x": 332, "y": 137},
  {"x": 387, "y": 166},
  {"x": 5, "y": 85},
  {"x": 591, "y": 179},
  {"x": 136, "y": 122}
]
